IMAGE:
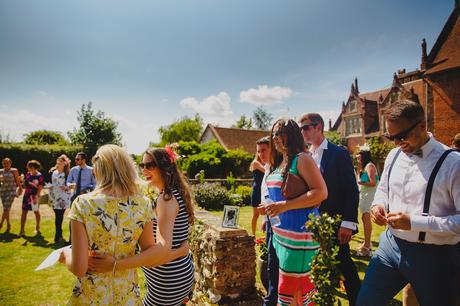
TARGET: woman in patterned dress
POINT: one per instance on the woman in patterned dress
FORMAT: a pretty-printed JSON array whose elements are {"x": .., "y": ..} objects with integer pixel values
[
  {"x": 10, "y": 187},
  {"x": 59, "y": 194},
  {"x": 33, "y": 183},
  {"x": 294, "y": 246},
  {"x": 169, "y": 273}
]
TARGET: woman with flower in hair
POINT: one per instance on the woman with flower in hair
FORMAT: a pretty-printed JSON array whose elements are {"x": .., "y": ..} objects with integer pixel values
[
  {"x": 169, "y": 283},
  {"x": 367, "y": 181},
  {"x": 294, "y": 245}
]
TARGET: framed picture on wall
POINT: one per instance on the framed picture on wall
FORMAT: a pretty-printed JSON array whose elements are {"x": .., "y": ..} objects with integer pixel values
[{"x": 231, "y": 215}]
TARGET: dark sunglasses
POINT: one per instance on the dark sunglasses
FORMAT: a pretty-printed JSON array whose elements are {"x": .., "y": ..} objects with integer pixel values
[
  {"x": 149, "y": 165},
  {"x": 308, "y": 126},
  {"x": 403, "y": 135},
  {"x": 77, "y": 158}
]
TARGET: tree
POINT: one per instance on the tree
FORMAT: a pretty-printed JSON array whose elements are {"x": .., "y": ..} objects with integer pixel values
[
  {"x": 96, "y": 129},
  {"x": 243, "y": 123},
  {"x": 45, "y": 137},
  {"x": 185, "y": 129},
  {"x": 262, "y": 119},
  {"x": 334, "y": 137}
]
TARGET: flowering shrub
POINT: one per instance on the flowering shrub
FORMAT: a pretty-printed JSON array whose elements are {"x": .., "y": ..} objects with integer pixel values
[
  {"x": 263, "y": 250},
  {"x": 245, "y": 192},
  {"x": 212, "y": 196}
]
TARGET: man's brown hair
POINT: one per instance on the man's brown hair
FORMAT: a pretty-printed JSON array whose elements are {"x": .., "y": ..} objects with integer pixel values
[
  {"x": 405, "y": 109},
  {"x": 314, "y": 118}
]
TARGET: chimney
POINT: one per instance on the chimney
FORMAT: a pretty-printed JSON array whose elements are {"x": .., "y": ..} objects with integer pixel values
[
  {"x": 356, "y": 85},
  {"x": 423, "y": 64},
  {"x": 330, "y": 124}
]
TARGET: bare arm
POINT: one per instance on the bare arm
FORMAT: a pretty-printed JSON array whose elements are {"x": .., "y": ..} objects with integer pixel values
[
  {"x": 372, "y": 173},
  {"x": 308, "y": 170},
  {"x": 255, "y": 165},
  {"x": 17, "y": 179},
  {"x": 76, "y": 258}
]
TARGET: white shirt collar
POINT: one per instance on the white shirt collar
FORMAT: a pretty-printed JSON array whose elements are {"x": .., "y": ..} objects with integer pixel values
[{"x": 322, "y": 146}]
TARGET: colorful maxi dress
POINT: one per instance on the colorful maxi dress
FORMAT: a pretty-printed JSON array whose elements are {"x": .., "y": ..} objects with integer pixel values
[{"x": 294, "y": 245}]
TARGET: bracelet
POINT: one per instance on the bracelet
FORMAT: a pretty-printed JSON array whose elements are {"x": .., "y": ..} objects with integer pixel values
[{"x": 114, "y": 267}]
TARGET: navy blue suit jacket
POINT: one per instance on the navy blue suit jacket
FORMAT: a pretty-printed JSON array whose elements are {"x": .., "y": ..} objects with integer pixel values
[{"x": 339, "y": 175}]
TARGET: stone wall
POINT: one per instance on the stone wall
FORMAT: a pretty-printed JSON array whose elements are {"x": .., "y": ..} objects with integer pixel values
[{"x": 224, "y": 262}]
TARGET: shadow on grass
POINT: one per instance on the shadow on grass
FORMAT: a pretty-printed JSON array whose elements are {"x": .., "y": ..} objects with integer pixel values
[
  {"x": 8, "y": 237},
  {"x": 40, "y": 241}
]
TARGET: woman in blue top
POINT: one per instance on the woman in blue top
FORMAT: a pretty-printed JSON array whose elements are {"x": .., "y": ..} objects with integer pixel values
[
  {"x": 294, "y": 245},
  {"x": 367, "y": 182}
]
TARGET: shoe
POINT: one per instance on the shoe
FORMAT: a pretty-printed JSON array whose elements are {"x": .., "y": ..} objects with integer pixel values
[
  {"x": 364, "y": 251},
  {"x": 22, "y": 234},
  {"x": 37, "y": 232}
]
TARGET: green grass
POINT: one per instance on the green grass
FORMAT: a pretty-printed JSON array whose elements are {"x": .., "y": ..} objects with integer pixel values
[{"x": 21, "y": 285}]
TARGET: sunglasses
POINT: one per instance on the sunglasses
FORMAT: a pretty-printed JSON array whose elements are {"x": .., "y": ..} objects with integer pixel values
[
  {"x": 148, "y": 165},
  {"x": 307, "y": 126},
  {"x": 77, "y": 159},
  {"x": 403, "y": 135}
]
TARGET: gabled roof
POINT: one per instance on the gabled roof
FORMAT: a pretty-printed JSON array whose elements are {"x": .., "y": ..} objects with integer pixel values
[
  {"x": 445, "y": 53},
  {"x": 234, "y": 138}
]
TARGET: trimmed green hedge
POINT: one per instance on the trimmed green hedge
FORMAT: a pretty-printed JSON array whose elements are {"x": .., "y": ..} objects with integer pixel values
[{"x": 20, "y": 154}]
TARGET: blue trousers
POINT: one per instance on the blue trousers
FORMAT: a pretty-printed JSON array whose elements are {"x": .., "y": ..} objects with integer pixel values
[
  {"x": 273, "y": 269},
  {"x": 429, "y": 268}
]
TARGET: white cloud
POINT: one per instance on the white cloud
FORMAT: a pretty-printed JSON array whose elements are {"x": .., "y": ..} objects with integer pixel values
[
  {"x": 264, "y": 95},
  {"x": 218, "y": 105}
]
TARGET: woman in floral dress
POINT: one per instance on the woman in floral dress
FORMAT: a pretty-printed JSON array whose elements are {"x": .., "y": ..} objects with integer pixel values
[
  {"x": 59, "y": 194},
  {"x": 33, "y": 183},
  {"x": 10, "y": 187}
]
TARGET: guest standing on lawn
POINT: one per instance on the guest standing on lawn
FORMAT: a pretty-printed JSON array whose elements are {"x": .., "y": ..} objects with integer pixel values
[
  {"x": 59, "y": 194},
  {"x": 258, "y": 170},
  {"x": 10, "y": 187},
  {"x": 81, "y": 176},
  {"x": 336, "y": 167},
  {"x": 33, "y": 183},
  {"x": 418, "y": 198},
  {"x": 294, "y": 246},
  {"x": 368, "y": 178}
]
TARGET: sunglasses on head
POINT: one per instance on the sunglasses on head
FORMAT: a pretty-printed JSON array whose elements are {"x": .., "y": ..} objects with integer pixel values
[
  {"x": 403, "y": 135},
  {"x": 148, "y": 165},
  {"x": 307, "y": 126}
]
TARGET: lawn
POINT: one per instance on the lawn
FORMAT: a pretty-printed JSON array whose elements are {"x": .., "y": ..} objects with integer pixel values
[{"x": 20, "y": 285}]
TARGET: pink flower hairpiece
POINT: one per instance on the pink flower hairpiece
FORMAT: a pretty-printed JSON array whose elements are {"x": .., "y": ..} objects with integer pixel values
[{"x": 173, "y": 156}]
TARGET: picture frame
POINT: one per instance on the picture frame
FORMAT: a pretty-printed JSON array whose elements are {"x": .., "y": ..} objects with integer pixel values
[{"x": 231, "y": 215}]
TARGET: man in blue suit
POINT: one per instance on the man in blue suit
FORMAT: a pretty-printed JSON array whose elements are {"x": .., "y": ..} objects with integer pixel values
[{"x": 343, "y": 195}]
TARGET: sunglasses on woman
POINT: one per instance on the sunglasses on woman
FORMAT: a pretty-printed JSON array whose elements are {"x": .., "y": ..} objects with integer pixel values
[
  {"x": 148, "y": 165},
  {"x": 403, "y": 135}
]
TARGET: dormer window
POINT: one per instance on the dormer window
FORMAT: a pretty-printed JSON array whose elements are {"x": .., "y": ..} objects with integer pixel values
[{"x": 352, "y": 106}]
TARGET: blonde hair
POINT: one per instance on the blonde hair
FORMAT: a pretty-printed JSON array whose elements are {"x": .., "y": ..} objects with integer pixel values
[{"x": 115, "y": 172}]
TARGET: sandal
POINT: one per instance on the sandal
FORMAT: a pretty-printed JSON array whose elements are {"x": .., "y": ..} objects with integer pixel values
[{"x": 364, "y": 251}]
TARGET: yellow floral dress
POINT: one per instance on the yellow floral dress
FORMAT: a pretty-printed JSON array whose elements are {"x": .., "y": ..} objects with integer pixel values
[{"x": 114, "y": 226}]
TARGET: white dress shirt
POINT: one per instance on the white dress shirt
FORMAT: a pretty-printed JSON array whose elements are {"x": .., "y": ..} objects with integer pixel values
[
  {"x": 317, "y": 155},
  {"x": 408, "y": 182}
]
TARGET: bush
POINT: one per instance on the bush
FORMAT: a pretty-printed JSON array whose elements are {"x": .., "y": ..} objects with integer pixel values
[
  {"x": 212, "y": 196},
  {"x": 45, "y": 137},
  {"x": 245, "y": 193},
  {"x": 20, "y": 154}
]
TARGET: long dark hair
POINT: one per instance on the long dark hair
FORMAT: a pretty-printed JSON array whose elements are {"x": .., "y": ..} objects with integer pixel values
[
  {"x": 172, "y": 178},
  {"x": 366, "y": 158},
  {"x": 294, "y": 143}
]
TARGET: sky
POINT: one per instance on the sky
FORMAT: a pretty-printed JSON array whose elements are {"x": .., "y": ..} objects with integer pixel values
[{"x": 149, "y": 63}]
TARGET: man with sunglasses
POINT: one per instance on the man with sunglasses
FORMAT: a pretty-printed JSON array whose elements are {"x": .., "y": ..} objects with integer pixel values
[
  {"x": 81, "y": 176},
  {"x": 337, "y": 169},
  {"x": 418, "y": 199}
]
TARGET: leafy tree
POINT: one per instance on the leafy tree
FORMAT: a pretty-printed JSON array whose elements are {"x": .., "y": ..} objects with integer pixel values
[
  {"x": 45, "y": 137},
  {"x": 243, "y": 123},
  {"x": 334, "y": 137},
  {"x": 379, "y": 150},
  {"x": 185, "y": 129},
  {"x": 96, "y": 129},
  {"x": 262, "y": 119}
]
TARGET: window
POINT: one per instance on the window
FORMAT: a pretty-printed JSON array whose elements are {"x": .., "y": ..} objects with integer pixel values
[
  {"x": 352, "y": 106},
  {"x": 353, "y": 125}
]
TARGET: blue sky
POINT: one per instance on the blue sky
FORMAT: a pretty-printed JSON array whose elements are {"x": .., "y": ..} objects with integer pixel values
[{"x": 148, "y": 63}]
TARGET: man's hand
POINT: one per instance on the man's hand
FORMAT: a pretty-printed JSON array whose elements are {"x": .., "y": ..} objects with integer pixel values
[
  {"x": 344, "y": 235},
  {"x": 378, "y": 215},
  {"x": 399, "y": 221}
]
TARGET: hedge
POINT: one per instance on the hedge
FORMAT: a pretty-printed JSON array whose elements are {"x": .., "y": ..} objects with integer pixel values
[{"x": 20, "y": 154}]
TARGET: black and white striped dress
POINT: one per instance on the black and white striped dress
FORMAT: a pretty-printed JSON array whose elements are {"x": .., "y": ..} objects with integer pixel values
[{"x": 171, "y": 283}]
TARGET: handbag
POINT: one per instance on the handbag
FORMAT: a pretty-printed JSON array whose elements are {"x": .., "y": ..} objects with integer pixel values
[{"x": 293, "y": 185}]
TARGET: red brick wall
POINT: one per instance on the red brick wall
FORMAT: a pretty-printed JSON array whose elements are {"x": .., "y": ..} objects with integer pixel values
[
  {"x": 352, "y": 143},
  {"x": 446, "y": 105}
]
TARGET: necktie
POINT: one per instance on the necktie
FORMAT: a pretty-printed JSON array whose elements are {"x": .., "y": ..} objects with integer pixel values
[{"x": 78, "y": 187}]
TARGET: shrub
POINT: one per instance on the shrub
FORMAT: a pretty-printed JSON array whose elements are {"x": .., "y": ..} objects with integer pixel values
[
  {"x": 45, "y": 137},
  {"x": 212, "y": 196},
  {"x": 245, "y": 193}
]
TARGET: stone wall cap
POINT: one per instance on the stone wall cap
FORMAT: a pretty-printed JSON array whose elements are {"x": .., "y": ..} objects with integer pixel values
[{"x": 215, "y": 223}]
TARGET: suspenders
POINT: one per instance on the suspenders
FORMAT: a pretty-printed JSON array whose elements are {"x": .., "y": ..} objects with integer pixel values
[{"x": 429, "y": 187}]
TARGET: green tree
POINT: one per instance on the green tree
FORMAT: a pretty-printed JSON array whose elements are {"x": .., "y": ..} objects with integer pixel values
[
  {"x": 96, "y": 129},
  {"x": 243, "y": 123},
  {"x": 45, "y": 137},
  {"x": 185, "y": 129},
  {"x": 379, "y": 150},
  {"x": 334, "y": 137},
  {"x": 262, "y": 119}
]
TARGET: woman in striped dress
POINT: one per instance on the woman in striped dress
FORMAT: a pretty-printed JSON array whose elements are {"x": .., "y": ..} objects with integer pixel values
[
  {"x": 169, "y": 270},
  {"x": 294, "y": 246}
]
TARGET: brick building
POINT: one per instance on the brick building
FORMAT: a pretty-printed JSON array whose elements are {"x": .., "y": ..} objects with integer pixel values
[{"x": 436, "y": 86}]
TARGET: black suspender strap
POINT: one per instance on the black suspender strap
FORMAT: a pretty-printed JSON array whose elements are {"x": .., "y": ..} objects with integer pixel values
[
  {"x": 389, "y": 172},
  {"x": 429, "y": 189}
]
